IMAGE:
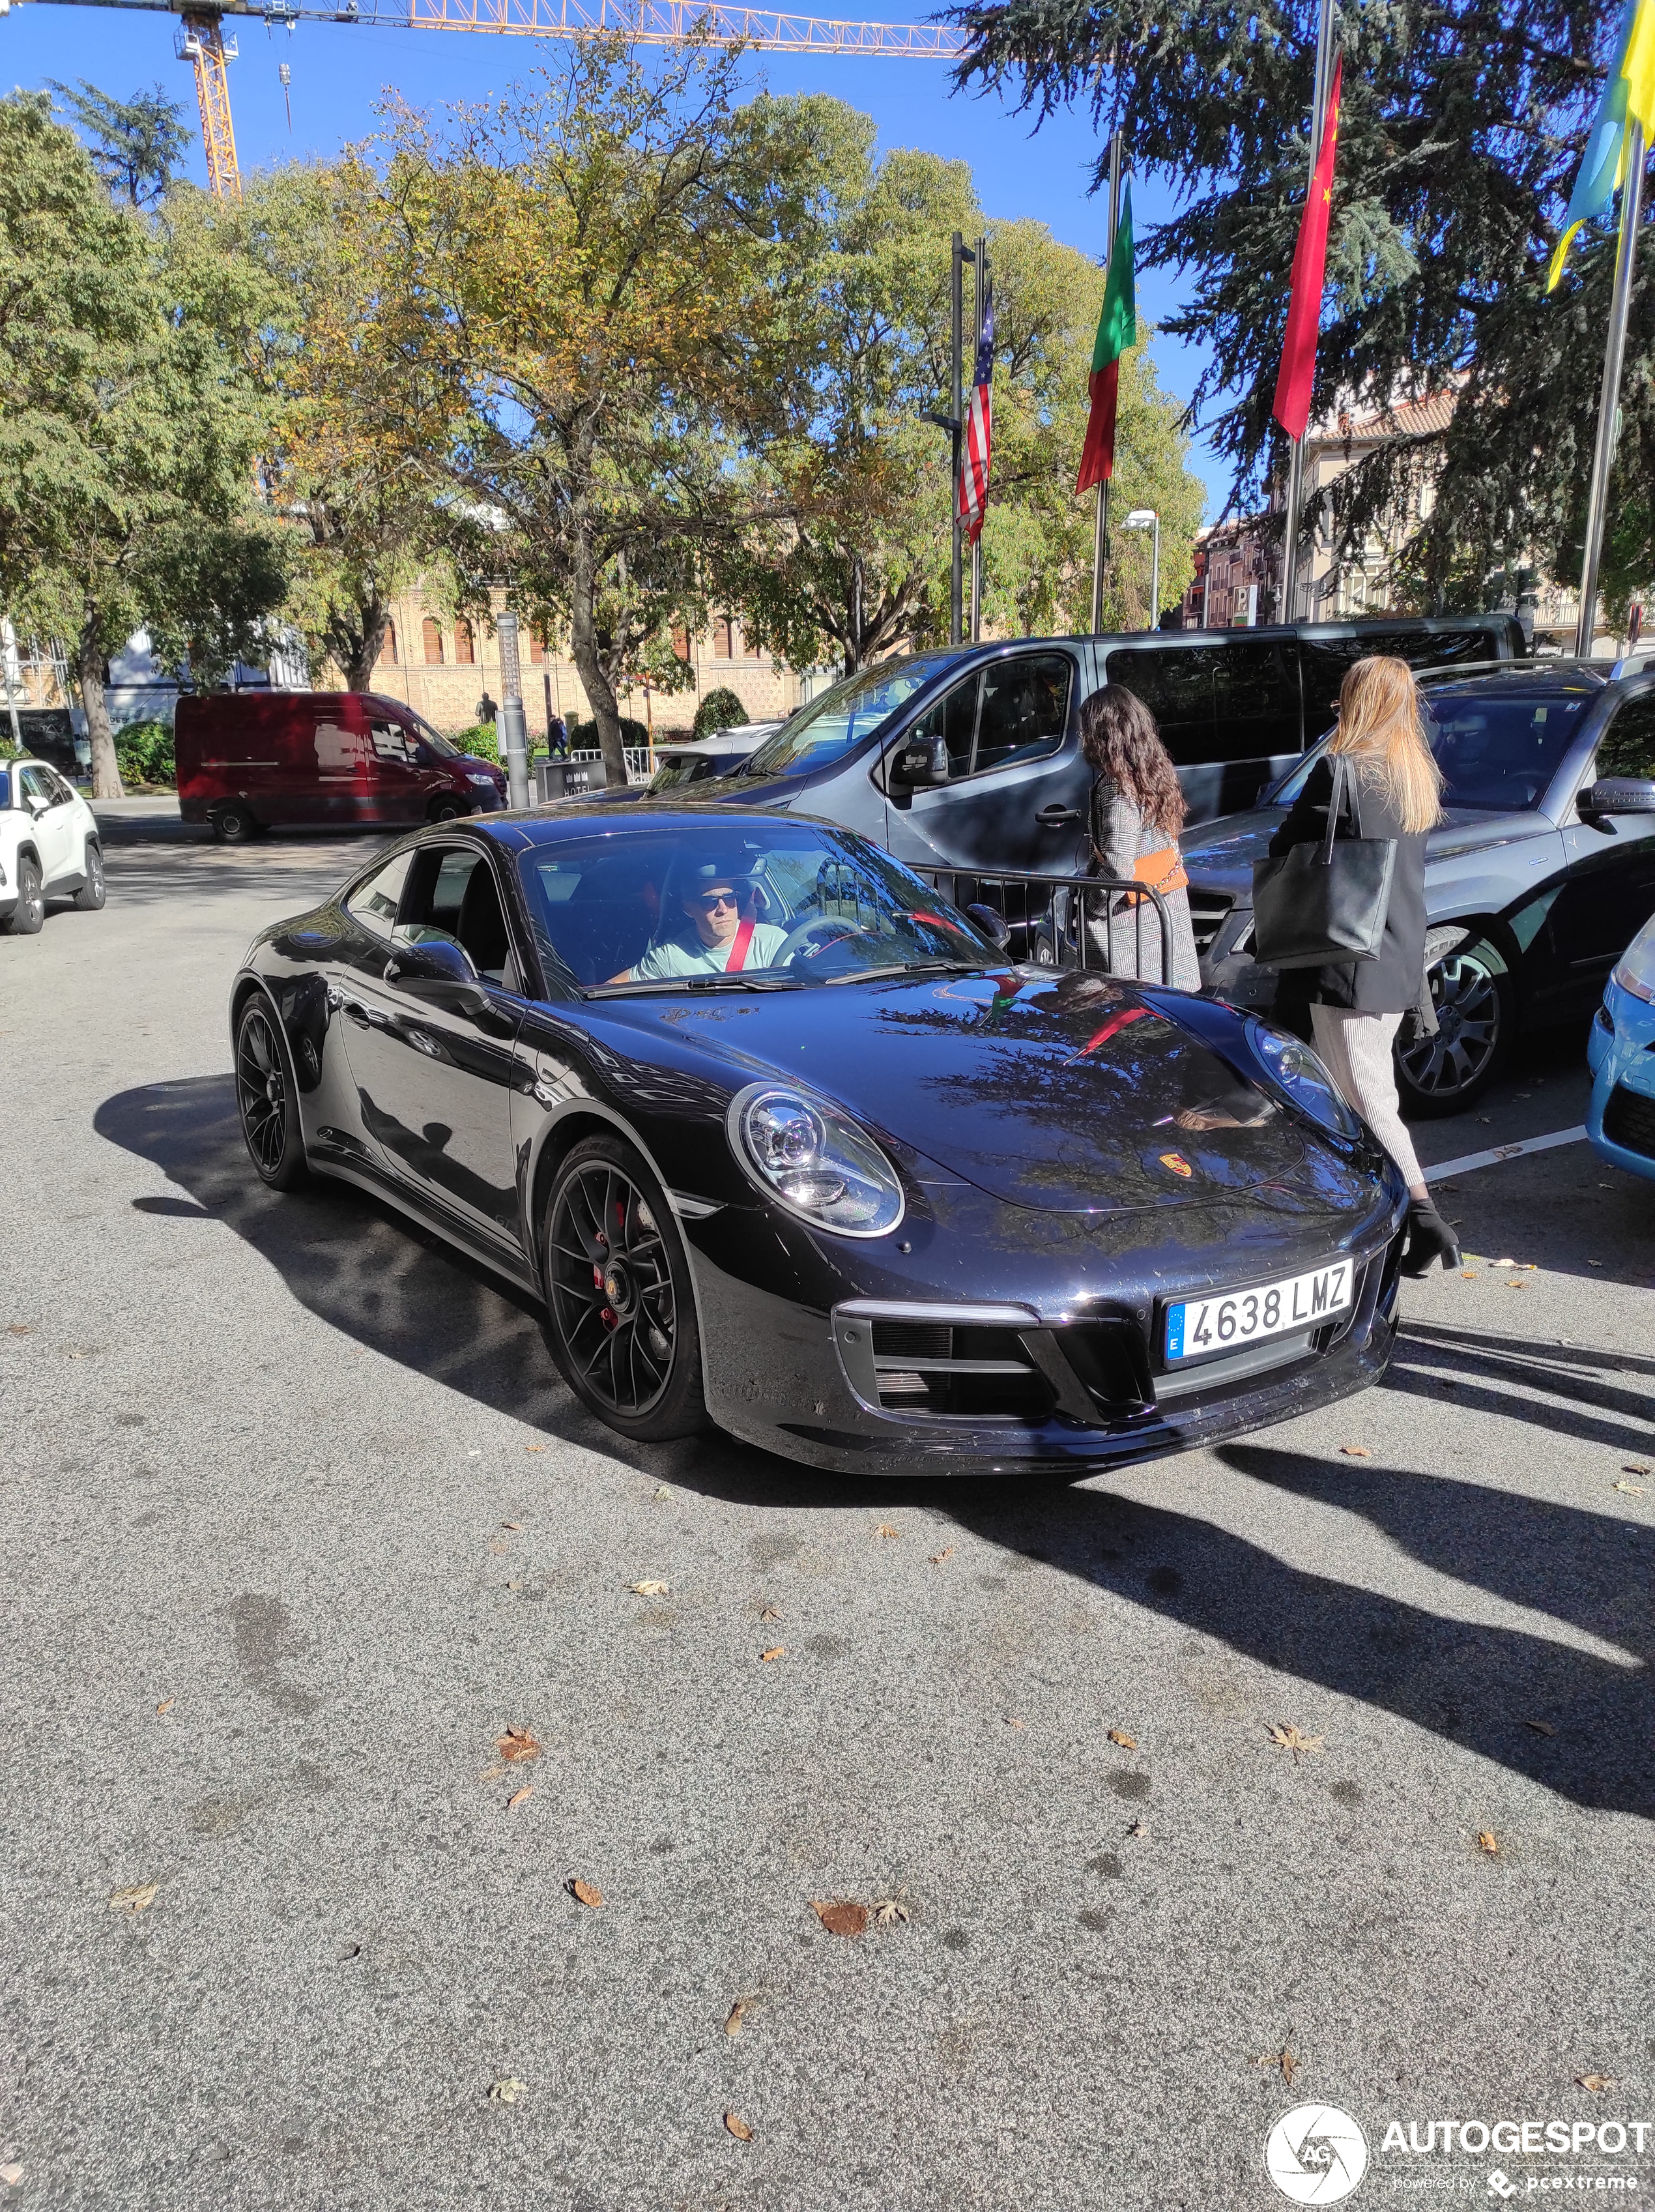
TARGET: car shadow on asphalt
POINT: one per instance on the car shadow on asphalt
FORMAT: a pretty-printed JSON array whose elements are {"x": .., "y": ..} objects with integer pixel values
[{"x": 380, "y": 1280}]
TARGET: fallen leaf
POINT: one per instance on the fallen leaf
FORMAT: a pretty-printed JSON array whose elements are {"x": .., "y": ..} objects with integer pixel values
[
  {"x": 516, "y": 1525},
  {"x": 1594, "y": 1263},
  {"x": 19, "y": 1328},
  {"x": 585, "y": 1893},
  {"x": 737, "y": 2014},
  {"x": 738, "y": 2127},
  {"x": 1596, "y": 2082},
  {"x": 1356, "y": 1451},
  {"x": 1541, "y": 1727},
  {"x": 514, "y": 1585},
  {"x": 520, "y": 1796},
  {"x": 888, "y": 1911},
  {"x": 841, "y": 1915},
  {"x": 660, "y": 1491},
  {"x": 938, "y": 1558},
  {"x": 165, "y": 1706},
  {"x": 1637, "y": 1467},
  {"x": 886, "y": 1529},
  {"x": 1126, "y": 1742},
  {"x": 1138, "y": 1828},
  {"x": 517, "y": 1743},
  {"x": 138, "y": 1899},
  {"x": 1502, "y": 1263},
  {"x": 1286, "y": 1737},
  {"x": 1468, "y": 1274},
  {"x": 650, "y": 1589},
  {"x": 1487, "y": 1841},
  {"x": 533, "y": 1448},
  {"x": 1515, "y": 1286},
  {"x": 1282, "y": 2060},
  {"x": 776, "y": 1651},
  {"x": 769, "y": 1612},
  {"x": 507, "y": 2091},
  {"x": 1011, "y": 1720},
  {"x": 1632, "y": 1489},
  {"x": 11, "y": 2175}
]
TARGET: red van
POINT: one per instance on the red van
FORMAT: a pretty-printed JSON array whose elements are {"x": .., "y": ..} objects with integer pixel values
[{"x": 248, "y": 760}]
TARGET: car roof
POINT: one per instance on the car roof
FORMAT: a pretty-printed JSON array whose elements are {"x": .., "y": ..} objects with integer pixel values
[
  {"x": 566, "y": 819},
  {"x": 1558, "y": 677}
]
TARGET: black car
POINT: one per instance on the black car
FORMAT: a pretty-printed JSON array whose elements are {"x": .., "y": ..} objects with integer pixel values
[
  {"x": 783, "y": 1140},
  {"x": 1539, "y": 879}
]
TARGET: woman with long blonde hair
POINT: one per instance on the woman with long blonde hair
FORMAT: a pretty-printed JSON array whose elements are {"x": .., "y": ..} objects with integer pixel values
[{"x": 1357, "y": 1007}]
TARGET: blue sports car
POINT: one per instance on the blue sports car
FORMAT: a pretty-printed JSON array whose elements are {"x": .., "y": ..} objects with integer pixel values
[{"x": 1620, "y": 1120}]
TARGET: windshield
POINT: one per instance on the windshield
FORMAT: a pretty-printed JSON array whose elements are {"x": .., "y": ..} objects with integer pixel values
[
  {"x": 846, "y": 715},
  {"x": 434, "y": 738},
  {"x": 686, "y": 770},
  {"x": 1498, "y": 751},
  {"x": 735, "y": 906}
]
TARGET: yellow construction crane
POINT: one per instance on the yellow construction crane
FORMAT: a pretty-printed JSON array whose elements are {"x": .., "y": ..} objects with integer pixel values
[{"x": 201, "y": 40}]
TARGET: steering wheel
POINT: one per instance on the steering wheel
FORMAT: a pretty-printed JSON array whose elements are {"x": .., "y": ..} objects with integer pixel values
[{"x": 817, "y": 934}]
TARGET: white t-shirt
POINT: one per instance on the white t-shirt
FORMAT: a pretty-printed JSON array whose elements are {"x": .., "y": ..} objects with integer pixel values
[{"x": 698, "y": 959}]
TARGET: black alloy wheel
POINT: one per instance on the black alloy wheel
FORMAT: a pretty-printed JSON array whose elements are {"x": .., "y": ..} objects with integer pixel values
[
  {"x": 30, "y": 911},
  {"x": 445, "y": 810},
  {"x": 618, "y": 1295},
  {"x": 90, "y": 896},
  {"x": 265, "y": 1094},
  {"x": 1447, "y": 1072},
  {"x": 234, "y": 824}
]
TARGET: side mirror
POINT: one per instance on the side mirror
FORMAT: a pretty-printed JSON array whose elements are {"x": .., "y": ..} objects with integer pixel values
[
  {"x": 918, "y": 764},
  {"x": 1617, "y": 794},
  {"x": 992, "y": 923},
  {"x": 436, "y": 968}
]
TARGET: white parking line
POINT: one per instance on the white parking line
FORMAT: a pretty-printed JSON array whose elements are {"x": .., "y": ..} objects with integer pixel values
[{"x": 1499, "y": 1152}]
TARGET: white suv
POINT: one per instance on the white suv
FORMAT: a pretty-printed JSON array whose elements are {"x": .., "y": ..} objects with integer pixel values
[{"x": 49, "y": 846}]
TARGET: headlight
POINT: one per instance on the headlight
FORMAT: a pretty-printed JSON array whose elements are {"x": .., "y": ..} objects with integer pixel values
[
  {"x": 1636, "y": 972},
  {"x": 814, "y": 1160},
  {"x": 1300, "y": 1077},
  {"x": 487, "y": 781}
]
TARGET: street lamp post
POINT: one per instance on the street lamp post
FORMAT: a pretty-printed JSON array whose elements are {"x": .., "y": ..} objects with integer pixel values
[
  {"x": 513, "y": 723},
  {"x": 1145, "y": 518}
]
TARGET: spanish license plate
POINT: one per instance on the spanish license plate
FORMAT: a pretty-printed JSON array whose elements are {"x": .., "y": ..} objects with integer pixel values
[{"x": 1198, "y": 1327}]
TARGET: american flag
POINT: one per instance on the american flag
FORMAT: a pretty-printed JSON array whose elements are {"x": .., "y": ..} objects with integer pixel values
[{"x": 979, "y": 424}]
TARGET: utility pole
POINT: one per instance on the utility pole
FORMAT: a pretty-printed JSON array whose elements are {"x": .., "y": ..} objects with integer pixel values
[
  {"x": 1101, "y": 521},
  {"x": 1296, "y": 463},
  {"x": 1608, "y": 400},
  {"x": 977, "y": 542},
  {"x": 513, "y": 725}
]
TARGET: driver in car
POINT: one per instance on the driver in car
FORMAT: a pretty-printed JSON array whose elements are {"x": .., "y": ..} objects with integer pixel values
[{"x": 717, "y": 939}]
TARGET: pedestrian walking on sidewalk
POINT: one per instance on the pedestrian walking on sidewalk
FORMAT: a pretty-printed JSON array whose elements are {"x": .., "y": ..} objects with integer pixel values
[
  {"x": 1137, "y": 812},
  {"x": 1392, "y": 789}
]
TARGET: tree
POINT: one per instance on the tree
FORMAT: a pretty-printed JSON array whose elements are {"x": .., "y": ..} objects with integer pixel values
[
  {"x": 127, "y": 429},
  {"x": 136, "y": 145},
  {"x": 349, "y": 463},
  {"x": 598, "y": 269},
  {"x": 863, "y": 568},
  {"x": 1460, "y": 133}
]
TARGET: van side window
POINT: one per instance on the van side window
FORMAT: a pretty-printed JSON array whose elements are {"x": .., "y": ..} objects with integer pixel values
[
  {"x": 953, "y": 717},
  {"x": 1024, "y": 710},
  {"x": 374, "y": 904},
  {"x": 1256, "y": 713},
  {"x": 1175, "y": 683},
  {"x": 391, "y": 741},
  {"x": 1629, "y": 744}
]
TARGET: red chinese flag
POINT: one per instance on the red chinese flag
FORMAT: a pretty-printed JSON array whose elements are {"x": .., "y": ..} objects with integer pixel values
[{"x": 1298, "y": 370}]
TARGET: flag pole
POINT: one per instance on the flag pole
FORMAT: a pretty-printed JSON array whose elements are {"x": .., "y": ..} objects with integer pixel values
[
  {"x": 977, "y": 542},
  {"x": 1296, "y": 462},
  {"x": 1608, "y": 402},
  {"x": 1101, "y": 521},
  {"x": 956, "y": 417}
]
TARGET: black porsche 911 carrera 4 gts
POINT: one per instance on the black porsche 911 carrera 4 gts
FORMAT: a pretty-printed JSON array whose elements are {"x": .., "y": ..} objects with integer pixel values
[{"x": 784, "y": 1141}]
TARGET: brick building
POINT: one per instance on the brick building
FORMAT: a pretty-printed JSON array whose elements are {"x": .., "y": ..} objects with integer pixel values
[{"x": 441, "y": 664}]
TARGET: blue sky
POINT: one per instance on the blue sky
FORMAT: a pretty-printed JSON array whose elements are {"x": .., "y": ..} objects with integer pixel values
[{"x": 340, "y": 72}]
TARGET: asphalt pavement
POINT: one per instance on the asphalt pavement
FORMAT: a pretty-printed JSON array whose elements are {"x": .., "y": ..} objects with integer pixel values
[{"x": 1315, "y": 1770}]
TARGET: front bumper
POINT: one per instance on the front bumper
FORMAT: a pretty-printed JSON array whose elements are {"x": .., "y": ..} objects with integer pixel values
[
  {"x": 803, "y": 1383},
  {"x": 1622, "y": 1056}
]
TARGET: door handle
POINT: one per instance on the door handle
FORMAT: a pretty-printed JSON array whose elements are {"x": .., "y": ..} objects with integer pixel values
[{"x": 1056, "y": 818}]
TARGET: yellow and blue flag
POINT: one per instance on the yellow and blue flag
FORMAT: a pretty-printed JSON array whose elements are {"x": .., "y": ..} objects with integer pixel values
[{"x": 1628, "y": 98}]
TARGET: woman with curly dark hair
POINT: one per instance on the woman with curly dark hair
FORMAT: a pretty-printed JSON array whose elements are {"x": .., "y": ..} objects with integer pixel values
[{"x": 1137, "y": 811}]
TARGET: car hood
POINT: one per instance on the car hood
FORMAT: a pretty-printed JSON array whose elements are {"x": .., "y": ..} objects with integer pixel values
[
  {"x": 1054, "y": 1091},
  {"x": 1220, "y": 856}
]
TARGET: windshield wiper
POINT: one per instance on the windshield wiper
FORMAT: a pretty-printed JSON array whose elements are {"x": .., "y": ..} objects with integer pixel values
[
  {"x": 737, "y": 982},
  {"x": 910, "y": 968}
]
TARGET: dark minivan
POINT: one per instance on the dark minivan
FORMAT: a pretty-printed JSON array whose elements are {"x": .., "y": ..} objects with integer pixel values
[{"x": 969, "y": 756}]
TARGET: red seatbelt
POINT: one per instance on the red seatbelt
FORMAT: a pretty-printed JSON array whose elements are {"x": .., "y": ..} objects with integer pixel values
[{"x": 738, "y": 945}]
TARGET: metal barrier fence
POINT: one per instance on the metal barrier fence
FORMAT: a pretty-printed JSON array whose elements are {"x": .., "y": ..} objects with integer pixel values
[{"x": 1065, "y": 921}]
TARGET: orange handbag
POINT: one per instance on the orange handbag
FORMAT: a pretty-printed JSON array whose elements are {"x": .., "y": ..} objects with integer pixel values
[{"x": 1161, "y": 872}]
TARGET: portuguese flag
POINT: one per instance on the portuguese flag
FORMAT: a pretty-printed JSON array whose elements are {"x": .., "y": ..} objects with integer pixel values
[{"x": 1117, "y": 330}]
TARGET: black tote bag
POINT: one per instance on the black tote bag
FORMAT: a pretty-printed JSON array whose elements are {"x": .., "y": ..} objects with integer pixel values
[{"x": 1318, "y": 905}]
